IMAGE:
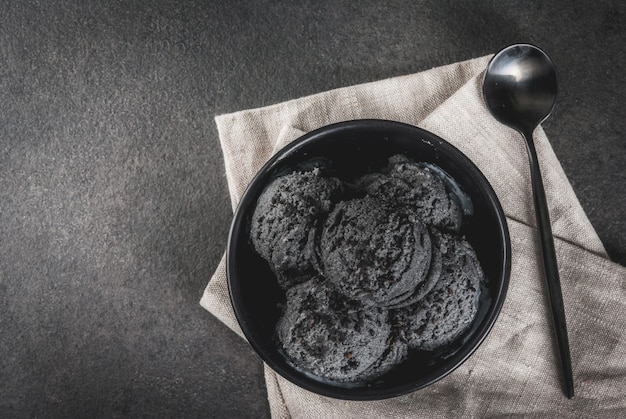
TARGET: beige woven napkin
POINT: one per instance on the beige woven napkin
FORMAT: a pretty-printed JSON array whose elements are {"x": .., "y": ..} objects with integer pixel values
[{"x": 515, "y": 371}]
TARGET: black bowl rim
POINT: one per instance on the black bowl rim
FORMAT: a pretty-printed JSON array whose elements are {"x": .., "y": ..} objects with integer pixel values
[{"x": 340, "y": 392}]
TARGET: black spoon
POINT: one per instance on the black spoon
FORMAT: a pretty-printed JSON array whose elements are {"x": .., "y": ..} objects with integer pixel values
[{"x": 520, "y": 89}]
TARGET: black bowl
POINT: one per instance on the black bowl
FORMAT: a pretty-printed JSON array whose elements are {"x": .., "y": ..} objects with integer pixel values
[{"x": 348, "y": 150}]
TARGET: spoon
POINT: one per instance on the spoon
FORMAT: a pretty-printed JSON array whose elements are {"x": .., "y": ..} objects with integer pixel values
[{"x": 520, "y": 89}]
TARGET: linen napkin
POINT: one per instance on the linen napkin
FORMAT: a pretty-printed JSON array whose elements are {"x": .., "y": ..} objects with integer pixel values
[{"x": 515, "y": 372}]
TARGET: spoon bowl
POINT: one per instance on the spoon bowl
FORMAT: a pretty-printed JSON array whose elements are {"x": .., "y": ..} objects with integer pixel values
[{"x": 520, "y": 88}]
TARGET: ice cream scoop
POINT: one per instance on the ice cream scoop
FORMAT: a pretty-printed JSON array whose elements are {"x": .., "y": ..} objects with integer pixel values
[
  {"x": 335, "y": 337},
  {"x": 284, "y": 222},
  {"x": 374, "y": 253}
]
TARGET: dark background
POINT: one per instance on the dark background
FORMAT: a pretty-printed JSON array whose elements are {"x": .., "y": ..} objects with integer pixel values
[{"x": 114, "y": 209}]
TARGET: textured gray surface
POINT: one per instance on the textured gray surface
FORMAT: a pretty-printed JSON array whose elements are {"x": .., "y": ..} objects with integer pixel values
[{"x": 113, "y": 205}]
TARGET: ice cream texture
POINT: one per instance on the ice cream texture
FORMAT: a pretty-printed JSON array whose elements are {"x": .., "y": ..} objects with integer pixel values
[{"x": 372, "y": 267}]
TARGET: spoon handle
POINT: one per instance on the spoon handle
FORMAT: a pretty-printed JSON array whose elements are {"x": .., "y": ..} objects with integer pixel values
[{"x": 550, "y": 266}]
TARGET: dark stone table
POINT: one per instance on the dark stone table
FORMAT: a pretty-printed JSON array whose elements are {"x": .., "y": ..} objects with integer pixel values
[{"x": 114, "y": 209}]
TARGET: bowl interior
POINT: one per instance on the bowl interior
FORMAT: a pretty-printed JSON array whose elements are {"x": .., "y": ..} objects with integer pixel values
[{"x": 348, "y": 150}]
